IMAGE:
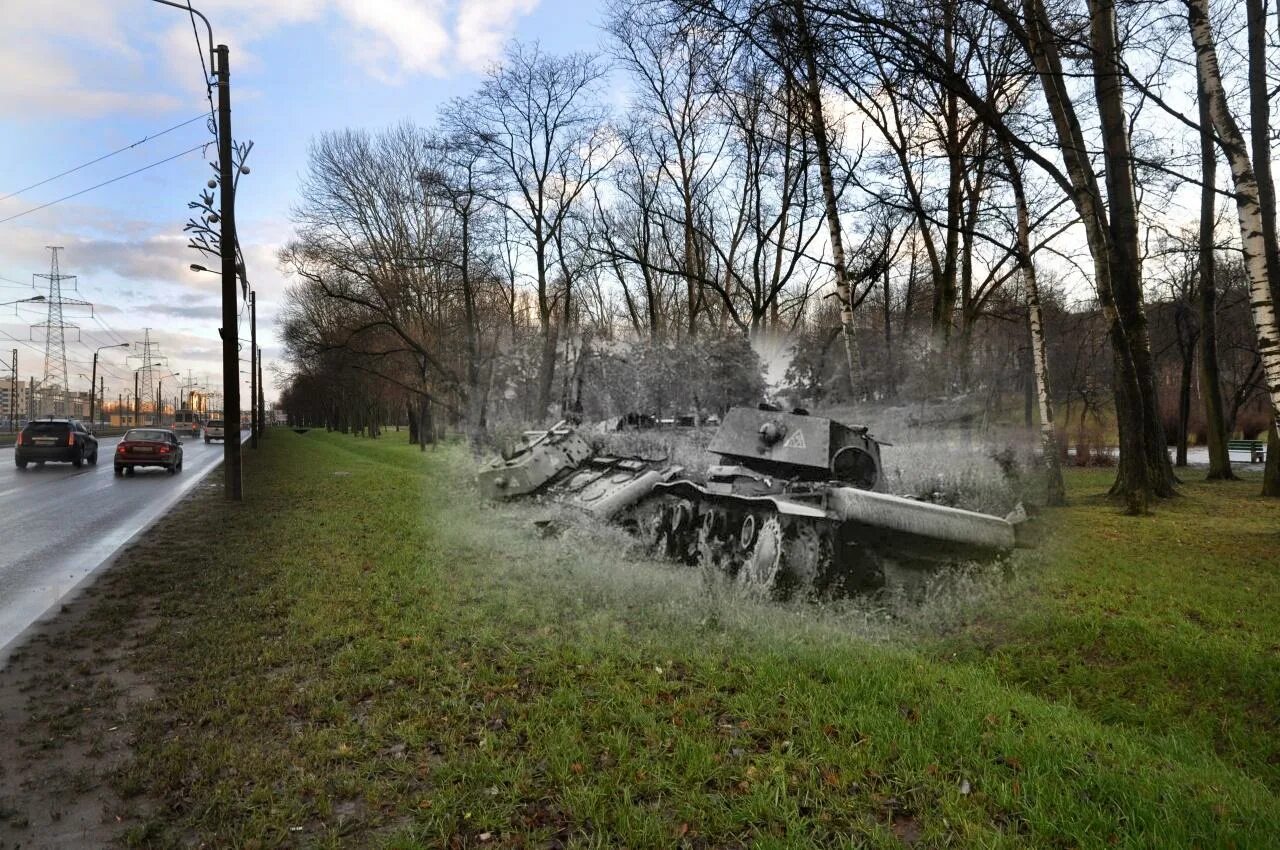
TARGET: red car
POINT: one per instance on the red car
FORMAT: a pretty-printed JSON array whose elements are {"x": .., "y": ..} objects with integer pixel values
[{"x": 149, "y": 447}]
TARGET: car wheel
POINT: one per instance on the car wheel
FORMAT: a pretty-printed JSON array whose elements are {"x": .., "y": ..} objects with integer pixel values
[
  {"x": 39, "y": 464},
  {"x": 21, "y": 464},
  {"x": 173, "y": 469},
  {"x": 206, "y": 439},
  {"x": 119, "y": 470},
  {"x": 130, "y": 471},
  {"x": 93, "y": 458}
]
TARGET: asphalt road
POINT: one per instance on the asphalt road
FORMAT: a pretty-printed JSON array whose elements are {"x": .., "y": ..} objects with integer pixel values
[{"x": 58, "y": 524}]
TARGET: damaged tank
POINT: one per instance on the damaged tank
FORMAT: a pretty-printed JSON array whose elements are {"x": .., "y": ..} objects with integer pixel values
[
  {"x": 795, "y": 506},
  {"x": 559, "y": 462}
]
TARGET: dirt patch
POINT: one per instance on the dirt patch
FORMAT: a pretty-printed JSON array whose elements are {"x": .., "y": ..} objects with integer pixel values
[{"x": 67, "y": 696}]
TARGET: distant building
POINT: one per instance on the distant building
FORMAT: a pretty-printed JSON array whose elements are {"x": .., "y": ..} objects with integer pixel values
[{"x": 17, "y": 393}]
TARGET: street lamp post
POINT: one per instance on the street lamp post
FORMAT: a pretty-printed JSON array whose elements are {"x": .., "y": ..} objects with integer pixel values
[
  {"x": 230, "y": 335},
  {"x": 227, "y": 249},
  {"x": 93, "y": 382},
  {"x": 253, "y": 369}
]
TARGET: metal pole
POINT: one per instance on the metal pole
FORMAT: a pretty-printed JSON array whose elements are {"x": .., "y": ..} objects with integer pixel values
[
  {"x": 93, "y": 386},
  {"x": 253, "y": 369},
  {"x": 262, "y": 407},
  {"x": 13, "y": 392},
  {"x": 230, "y": 341},
  {"x": 102, "y": 395},
  {"x": 159, "y": 417}
]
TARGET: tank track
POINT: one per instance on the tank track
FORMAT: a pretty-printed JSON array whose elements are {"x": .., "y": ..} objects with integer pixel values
[{"x": 764, "y": 550}]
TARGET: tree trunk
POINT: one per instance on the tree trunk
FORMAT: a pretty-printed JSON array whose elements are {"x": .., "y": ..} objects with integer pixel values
[
  {"x": 1249, "y": 208},
  {"x": 1187, "y": 352},
  {"x": 426, "y": 425},
  {"x": 818, "y": 126},
  {"x": 1136, "y": 402},
  {"x": 1210, "y": 371},
  {"x": 890, "y": 367},
  {"x": 1056, "y": 489},
  {"x": 475, "y": 388},
  {"x": 1260, "y": 132},
  {"x": 547, "y": 365},
  {"x": 944, "y": 297},
  {"x": 1140, "y": 477},
  {"x": 1271, "y": 473}
]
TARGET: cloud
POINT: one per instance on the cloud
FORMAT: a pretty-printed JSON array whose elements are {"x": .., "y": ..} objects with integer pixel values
[
  {"x": 72, "y": 58},
  {"x": 397, "y": 38},
  {"x": 211, "y": 311},
  {"x": 483, "y": 27},
  {"x": 37, "y": 81}
]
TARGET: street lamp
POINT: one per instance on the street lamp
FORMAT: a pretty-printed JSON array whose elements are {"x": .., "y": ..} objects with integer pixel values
[
  {"x": 93, "y": 382},
  {"x": 32, "y": 299}
]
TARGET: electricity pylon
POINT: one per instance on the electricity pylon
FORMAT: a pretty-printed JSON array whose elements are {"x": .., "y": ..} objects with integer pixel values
[
  {"x": 151, "y": 357},
  {"x": 55, "y": 340}
]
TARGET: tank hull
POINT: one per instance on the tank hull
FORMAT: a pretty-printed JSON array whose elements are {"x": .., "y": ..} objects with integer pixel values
[{"x": 795, "y": 509}]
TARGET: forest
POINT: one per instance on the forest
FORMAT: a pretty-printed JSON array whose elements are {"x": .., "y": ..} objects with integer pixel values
[{"x": 1065, "y": 210}]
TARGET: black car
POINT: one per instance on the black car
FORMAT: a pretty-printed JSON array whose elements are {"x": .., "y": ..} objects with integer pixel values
[{"x": 55, "y": 441}]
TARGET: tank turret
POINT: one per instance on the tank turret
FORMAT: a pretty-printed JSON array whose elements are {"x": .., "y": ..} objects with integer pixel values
[{"x": 796, "y": 446}]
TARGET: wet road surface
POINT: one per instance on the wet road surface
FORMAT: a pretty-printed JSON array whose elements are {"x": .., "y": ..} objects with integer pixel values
[{"x": 58, "y": 524}]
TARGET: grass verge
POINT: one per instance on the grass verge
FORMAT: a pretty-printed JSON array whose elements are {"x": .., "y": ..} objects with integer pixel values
[{"x": 366, "y": 656}]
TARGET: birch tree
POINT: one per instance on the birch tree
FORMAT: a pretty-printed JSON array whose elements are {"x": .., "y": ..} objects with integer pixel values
[
  {"x": 1035, "y": 318},
  {"x": 1249, "y": 208}
]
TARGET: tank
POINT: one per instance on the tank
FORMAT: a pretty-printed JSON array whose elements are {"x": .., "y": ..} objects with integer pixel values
[
  {"x": 796, "y": 505},
  {"x": 541, "y": 457},
  {"x": 559, "y": 464}
]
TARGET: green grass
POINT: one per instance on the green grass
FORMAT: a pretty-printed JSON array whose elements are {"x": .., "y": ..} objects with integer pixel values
[
  {"x": 1162, "y": 623},
  {"x": 373, "y": 658}
]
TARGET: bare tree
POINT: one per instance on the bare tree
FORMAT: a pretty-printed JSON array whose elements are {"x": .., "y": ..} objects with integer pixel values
[
  {"x": 1255, "y": 204},
  {"x": 540, "y": 138}
]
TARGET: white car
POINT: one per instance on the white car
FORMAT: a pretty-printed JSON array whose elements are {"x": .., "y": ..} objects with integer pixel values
[{"x": 214, "y": 430}]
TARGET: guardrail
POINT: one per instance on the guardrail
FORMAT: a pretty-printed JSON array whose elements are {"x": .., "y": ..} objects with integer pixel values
[{"x": 10, "y": 437}]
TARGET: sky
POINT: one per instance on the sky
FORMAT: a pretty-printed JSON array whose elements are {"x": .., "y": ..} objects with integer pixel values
[{"x": 83, "y": 78}]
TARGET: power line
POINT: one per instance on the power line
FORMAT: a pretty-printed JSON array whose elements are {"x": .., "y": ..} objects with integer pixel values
[
  {"x": 25, "y": 342},
  {"x": 100, "y": 159},
  {"x": 208, "y": 89},
  {"x": 109, "y": 329},
  {"x": 103, "y": 183}
]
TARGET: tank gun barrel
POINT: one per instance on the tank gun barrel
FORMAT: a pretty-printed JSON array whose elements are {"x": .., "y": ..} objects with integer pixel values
[{"x": 921, "y": 519}]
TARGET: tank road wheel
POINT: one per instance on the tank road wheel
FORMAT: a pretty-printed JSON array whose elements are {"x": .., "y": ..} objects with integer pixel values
[
  {"x": 807, "y": 551},
  {"x": 762, "y": 568},
  {"x": 712, "y": 548},
  {"x": 663, "y": 525}
]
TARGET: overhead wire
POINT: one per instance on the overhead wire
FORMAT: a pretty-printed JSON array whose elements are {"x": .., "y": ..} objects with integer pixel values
[
  {"x": 128, "y": 147},
  {"x": 104, "y": 183},
  {"x": 205, "y": 69}
]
